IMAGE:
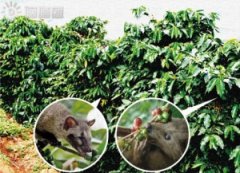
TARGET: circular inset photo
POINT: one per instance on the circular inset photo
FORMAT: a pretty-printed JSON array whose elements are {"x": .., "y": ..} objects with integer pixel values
[
  {"x": 152, "y": 135},
  {"x": 71, "y": 135}
]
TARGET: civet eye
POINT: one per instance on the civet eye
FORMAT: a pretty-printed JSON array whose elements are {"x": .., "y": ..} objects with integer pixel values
[{"x": 167, "y": 136}]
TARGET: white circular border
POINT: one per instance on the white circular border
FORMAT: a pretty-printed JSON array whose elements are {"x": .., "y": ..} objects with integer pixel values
[
  {"x": 61, "y": 170},
  {"x": 189, "y": 135}
]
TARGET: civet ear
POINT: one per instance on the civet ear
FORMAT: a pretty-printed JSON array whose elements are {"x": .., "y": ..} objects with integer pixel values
[
  {"x": 91, "y": 122},
  {"x": 69, "y": 123}
]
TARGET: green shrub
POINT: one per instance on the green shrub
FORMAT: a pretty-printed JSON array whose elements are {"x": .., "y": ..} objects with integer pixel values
[
  {"x": 177, "y": 58},
  {"x": 9, "y": 127},
  {"x": 87, "y": 27}
]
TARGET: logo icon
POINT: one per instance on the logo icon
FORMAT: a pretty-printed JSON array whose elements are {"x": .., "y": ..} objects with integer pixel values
[{"x": 11, "y": 9}]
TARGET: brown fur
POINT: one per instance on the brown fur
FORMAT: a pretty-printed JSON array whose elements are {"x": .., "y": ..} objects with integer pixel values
[
  {"x": 155, "y": 152},
  {"x": 58, "y": 121}
]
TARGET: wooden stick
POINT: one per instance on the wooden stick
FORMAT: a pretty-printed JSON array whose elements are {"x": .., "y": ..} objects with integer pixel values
[
  {"x": 154, "y": 118},
  {"x": 125, "y": 137}
]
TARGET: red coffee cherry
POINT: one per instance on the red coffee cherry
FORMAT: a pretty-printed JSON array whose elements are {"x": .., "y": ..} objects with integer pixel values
[
  {"x": 156, "y": 111},
  {"x": 137, "y": 122}
]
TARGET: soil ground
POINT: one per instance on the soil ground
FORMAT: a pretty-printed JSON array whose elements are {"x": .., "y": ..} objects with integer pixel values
[{"x": 17, "y": 152}]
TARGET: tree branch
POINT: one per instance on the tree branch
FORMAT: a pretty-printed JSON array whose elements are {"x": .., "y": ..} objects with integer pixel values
[{"x": 123, "y": 131}]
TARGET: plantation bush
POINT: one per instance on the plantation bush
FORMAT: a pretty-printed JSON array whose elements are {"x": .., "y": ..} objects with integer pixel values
[{"x": 177, "y": 58}]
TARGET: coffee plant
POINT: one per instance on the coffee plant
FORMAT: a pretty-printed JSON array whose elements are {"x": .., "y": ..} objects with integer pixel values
[
  {"x": 178, "y": 58},
  {"x": 138, "y": 131}
]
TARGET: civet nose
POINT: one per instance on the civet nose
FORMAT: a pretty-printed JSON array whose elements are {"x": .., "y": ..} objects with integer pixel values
[{"x": 149, "y": 127}]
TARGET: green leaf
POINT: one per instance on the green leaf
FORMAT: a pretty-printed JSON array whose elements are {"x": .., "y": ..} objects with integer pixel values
[
  {"x": 140, "y": 11},
  {"x": 89, "y": 74},
  {"x": 207, "y": 121},
  {"x": 203, "y": 143},
  {"x": 170, "y": 87},
  {"x": 157, "y": 35},
  {"x": 235, "y": 155},
  {"x": 230, "y": 130},
  {"x": 175, "y": 32},
  {"x": 177, "y": 98},
  {"x": 126, "y": 102},
  {"x": 220, "y": 87},
  {"x": 211, "y": 84},
  {"x": 235, "y": 66},
  {"x": 198, "y": 163},
  {"x": 196, "y": 71},
  {"x": 234, "y": 111},
  {"x": 237, "y": 82},
  {"x": 152, "y": 54},
  {"x": 214, "y": 141},
  {"x": 164, "y": 63}
]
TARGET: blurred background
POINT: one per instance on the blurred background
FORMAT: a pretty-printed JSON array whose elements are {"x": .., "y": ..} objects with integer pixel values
[{"x": 143, "y": 109}]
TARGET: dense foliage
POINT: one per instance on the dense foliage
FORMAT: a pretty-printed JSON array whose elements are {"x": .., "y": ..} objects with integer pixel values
[{"x": 177, "y": 58}]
